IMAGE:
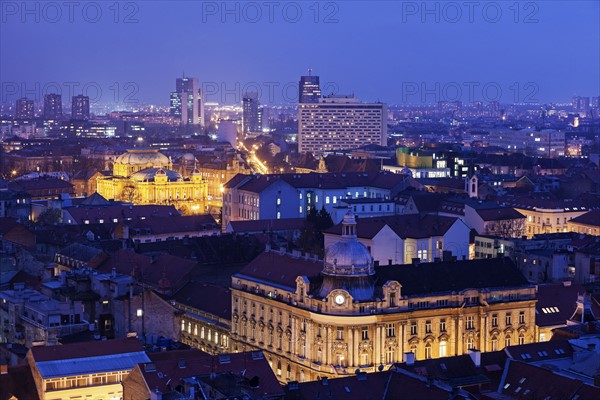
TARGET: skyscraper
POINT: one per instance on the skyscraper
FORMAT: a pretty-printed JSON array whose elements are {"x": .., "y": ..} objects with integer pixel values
[
  {"x": 24, "y": 108},
  {"x": 251, "y": 121},
  {"x": 309, "y": 89},
  {"x": 187, "y": 102},
  {"x": 581, "y": 103},
  {"x": 340, "y": 122},
  {"x": 80, "y": 108},
  {"x": 52, "y": 106}
]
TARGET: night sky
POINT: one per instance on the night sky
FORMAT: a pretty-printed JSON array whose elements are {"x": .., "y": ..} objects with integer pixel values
[{"x": 389, "y": 51}]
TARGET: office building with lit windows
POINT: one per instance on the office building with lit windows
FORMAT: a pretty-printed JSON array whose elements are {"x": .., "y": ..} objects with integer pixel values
[
  {"x": 251, "y": 113},
  {"x": 80, "y": 108},
  {"x": 25, "y": 109},
  {"x": 341, "y": 122},
  {"x": 52, "y": 106},
  {"x": 187, "y": 102},
  {"x": 309, "y": 89},
  {"x": 316, "y": 319}
]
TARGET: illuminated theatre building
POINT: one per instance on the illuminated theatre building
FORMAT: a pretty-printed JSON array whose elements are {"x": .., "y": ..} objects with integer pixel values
[
  {"x": 327, "y": 319},
  {"x": 146, "y": 177}
]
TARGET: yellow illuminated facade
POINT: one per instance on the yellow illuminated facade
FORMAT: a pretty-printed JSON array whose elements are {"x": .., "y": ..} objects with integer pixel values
[{"x": 146, "y": 177}]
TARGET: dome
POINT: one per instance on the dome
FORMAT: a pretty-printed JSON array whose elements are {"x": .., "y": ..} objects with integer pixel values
[
  {"x": 143, "y": 157},
  {"x": 188, "y": 157},
  {"x": 348, "y": 256},
  {"x": 148, "y": 175}
]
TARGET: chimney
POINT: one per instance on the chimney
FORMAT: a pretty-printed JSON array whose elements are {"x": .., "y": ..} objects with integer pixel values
[
  {"x": 410, "y": 358},
  {"x": 475, "y": 356}
]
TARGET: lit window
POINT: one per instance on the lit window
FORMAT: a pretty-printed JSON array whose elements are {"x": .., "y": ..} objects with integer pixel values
[
  {"x": 139, "y": 312},
  {"x": 327, "y": 200}
]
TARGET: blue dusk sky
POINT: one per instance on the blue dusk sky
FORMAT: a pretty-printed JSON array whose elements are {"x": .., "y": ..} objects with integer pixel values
[{"x": 392, "y": 51}]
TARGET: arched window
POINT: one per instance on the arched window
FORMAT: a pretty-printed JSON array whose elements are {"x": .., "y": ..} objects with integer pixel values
[
  {"x": 428, "y": 350},
  {"x": 494, "y": 343},
  {"x": 413, "y": 349},
  {"x": 278, "y": 368},
  {"x": 443, "y": 348},
  {"x": 521, "y": 338},
  {"x": 507, "y": 341}
]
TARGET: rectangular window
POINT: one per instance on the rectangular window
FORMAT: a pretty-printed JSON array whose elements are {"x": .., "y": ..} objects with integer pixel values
[
  {"x": 327, "y": 200},
  {"x": 522, "y": 317},
  {"x": 413, "y": 328},
  {"x": 494, "y": 320},
  {"x": 391, "y": 330},
  {"x": 365, "y": 333},
  {"x": 507, "y": 319},
  {"x": 442, "y": 325},
  {"x": 428, "y": 326},
  {"x": 340, "y": 333},
  {"x": 469, "y": 322}
]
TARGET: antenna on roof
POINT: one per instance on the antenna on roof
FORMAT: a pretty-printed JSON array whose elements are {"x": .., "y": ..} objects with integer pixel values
[{"x": 309, "y": 71}]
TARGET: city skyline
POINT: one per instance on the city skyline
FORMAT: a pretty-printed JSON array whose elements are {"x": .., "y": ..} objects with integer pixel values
[{"x": 400, "y": 60}]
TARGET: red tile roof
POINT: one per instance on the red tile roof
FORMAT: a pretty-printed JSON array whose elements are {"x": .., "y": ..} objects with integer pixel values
[
  {"x": 94, "y": 214},
  {"x": 206, "y": 297},
  {"x": 499, "y": 213},
  {"x": 380, "y": 179},
  {"x": 556, "y": 303},
  {"x": 150, "y": 269},
  {"x": 176, "y": 224},
  {"x": 540, "y": 351},
  {"x": 18, "y": 382},
  {"x": 591, "y": 218},
  {"x": 281, "y": 269},
  {"x": 199, "y": 363},
  {"x": 86, "y": 349},
  {"x": 379, "y": 385},
  {"x": 266, "y": 225},
  {"x": 525, "y": 381}
]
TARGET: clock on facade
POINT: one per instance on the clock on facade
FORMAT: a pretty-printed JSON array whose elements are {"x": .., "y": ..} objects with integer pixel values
[{"x": 339, "y": 299}]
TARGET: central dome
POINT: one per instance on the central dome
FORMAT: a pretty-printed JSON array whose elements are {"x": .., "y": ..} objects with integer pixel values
[
  {"x": 143, "y": 157},
  {"x": 348, "y": 257}
]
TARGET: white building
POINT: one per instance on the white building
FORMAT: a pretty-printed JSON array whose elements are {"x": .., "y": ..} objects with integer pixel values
[
  {"x": 340, "y": 123},
  {"x": 277, "y": 196},
  {"x": 400, "y": 239}
]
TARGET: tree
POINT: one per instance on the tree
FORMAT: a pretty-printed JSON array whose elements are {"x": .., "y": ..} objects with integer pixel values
[
  {"x": 51, "y": 216},
  {"x": 311, "y": 238},
  {"x": 508, "y": 228}
]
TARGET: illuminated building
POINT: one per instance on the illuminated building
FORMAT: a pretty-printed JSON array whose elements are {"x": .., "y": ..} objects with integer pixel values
[
  {"x": 52, "y": 106},
  {"x": 309, "y": 89},
  {"x": 80, "y": 108},
  {"x": 146, "y": 177},
  {"x": 323, "y": 319},
  {"x": 84, "y": 370},
  {"x": 251, "y": 121},
  {"x": 24, "y": 109},
  {"x": 187, "y": 102},
  {"x": 336, "y": 123}
]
